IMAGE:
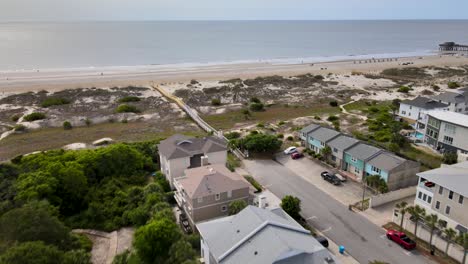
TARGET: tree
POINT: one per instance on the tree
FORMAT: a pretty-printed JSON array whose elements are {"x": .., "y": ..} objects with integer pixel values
[
  {"x": 154, "y": 240},
  {"x": 402, "y": 209},
  {"x": 67, "y": 125},
  {"x": 77, "y": 257},
  {"x": 33, "y": 222},
  {"x": 259, "y": 143},
  {"x": 180, "y": 251},
  {"x": 326, "y": 152},
  {"x": 236, "y": 206},
  {"x": 431, "y": 220},
  {"x": 292, "y": 206},
  {"x": 450, "y": 234},
  {"x": 450, "y": 158},
  {"x": 462, "y": 239},
  {"x": 215, "y": 102},
  {"x": 417, "y": 213},
  {"x": 256, "y": 107},
  {"x": 32, "y": 253}
]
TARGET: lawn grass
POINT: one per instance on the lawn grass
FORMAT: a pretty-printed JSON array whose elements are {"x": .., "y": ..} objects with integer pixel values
[
  {"x": 273, "y": 113},
  {"x": 364, "y": 105},
  {"x": 52, "y": 138},
  {"x": 426, "y": 159},
  {"x": 254, "y": 183},
  {"x": 423, "y": 246}
]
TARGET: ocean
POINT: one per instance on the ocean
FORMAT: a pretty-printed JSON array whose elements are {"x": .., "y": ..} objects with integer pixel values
[{"x": 95, "y": 44}]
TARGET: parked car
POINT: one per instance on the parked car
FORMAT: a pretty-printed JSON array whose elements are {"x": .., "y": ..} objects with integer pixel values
[
  {"x": 290, "y": 150},
  {"x": 401, "y": 239},
  {"x": 330, "y": 177},
  {"x": 340, "y": 177},
  {"x": 297, "y": 155},
  {"x": 184, "y": 223}
]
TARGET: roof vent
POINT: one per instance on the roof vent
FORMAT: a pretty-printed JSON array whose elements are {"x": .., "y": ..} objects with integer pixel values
[
  {"x": 238, "y": 230},
  {"x": 183, "y": 142},
  {"x": 255, "y": 253}
]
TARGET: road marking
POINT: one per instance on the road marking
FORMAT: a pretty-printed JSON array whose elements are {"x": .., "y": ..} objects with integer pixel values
[
  {"x": 312, "y": 217},
  {"x": 326, "y": 230}
]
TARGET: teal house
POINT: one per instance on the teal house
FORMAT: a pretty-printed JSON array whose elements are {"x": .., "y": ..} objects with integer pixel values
[
  {"x": 355, "y": 159},
  {"x": 318, "y": 138}
]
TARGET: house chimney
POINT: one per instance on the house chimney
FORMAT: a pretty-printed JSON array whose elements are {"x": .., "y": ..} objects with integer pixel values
[{"x": 262, "y": 201}]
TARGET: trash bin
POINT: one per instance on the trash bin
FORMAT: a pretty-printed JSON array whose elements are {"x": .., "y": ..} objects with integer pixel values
[{"x": 341, "y": 249}]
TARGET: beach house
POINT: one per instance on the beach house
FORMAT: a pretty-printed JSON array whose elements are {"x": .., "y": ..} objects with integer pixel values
[
  {"x": 443, "y": 192},
  {"x": 303, "y": 134},
  {"x": 318, "y": 138},
  {"x": 396, "y": 171},
  {"x": 356, "y": 157},
  {"x": 260, "y": 236},
  {"x": 338, "y": 146},
  {"x": 457, "y": 100},
  {"x": 178, "y": 153},
  {"x": 205, "y": 192}
]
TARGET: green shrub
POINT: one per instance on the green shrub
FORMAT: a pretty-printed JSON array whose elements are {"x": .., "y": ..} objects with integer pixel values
[
  {"x": 193, "y": 82},
  {"x": 15, "y": 118},
  {"x": 404, "y": 89},
  {"x": 67, "y": 125},
  {"x": 260, "y": 125},
  {"x": 334, "y": 103},
  {"x": 232, "y": 135},
  {"x": 246, "y": 112},
  {"x": 255, "y": 100},
  {"x": 88, "y": 122},
  {"x": 124, "y": 108},
  {"x": 453, "y": 85},
  {"x": 333, "y": 118},
  {"x": 435, "y": 87},
  {"x": 215, "y": 102},
  {"x": 256, "y": 107},
  {"x": 128, "y": 99},
  {"x": 290, "y": 138},
  {"x": 254, "y": 183},
  {"x": 34, "y": 116},
  {"x": 54, "y": 101},
  {"x": 280, "y": 136},
  {"x": 317, "y": 118},
  {"x": 19, "y": 128},
  {"x": 280, "y": 123}
]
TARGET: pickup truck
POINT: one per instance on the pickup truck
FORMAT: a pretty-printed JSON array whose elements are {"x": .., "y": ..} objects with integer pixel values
[
  {"x": 330, "y": 177},
  {"x": 401, "y": 239}
]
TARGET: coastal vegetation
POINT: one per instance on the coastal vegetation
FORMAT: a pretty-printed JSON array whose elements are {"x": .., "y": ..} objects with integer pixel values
[
  {"x": 125, "y": 108},
  {"x": 128, "y": 99},
  {"x": 51, "y": 101},
  {"x": 34, "y": 116}
]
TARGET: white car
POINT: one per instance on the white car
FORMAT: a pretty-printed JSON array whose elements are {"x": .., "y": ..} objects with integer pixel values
[{"x": 290, "y": 150}]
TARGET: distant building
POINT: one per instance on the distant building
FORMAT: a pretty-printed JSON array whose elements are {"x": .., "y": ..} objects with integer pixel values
[
  {"x": 414, "y": 112},
  {"x": 447, "y": 131},
  {"x": 205, "y": 192},
  {"x": 260, "y": 236},
  {"x": 179, "y": 152},
  {"x": 443, "y": 191},
  {"x": 457, "y": 100}
]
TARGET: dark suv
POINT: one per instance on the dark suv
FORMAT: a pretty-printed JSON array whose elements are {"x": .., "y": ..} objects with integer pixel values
[{"x": 330, "y": 177}]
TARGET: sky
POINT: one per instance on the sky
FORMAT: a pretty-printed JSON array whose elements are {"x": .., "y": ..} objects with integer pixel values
[{"x": 60, "y": 10}]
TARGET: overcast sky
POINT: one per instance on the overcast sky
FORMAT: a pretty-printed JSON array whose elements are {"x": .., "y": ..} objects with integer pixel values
[{"x": 55, "y": 10}]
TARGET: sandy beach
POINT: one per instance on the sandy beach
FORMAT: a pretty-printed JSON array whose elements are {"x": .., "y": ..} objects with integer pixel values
[{"x": 59, "y": 79}]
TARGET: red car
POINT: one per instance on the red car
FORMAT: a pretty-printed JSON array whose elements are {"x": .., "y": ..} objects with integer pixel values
[
  {"x": 297, "y": 155},
  {"x": 401, "y": 239}
]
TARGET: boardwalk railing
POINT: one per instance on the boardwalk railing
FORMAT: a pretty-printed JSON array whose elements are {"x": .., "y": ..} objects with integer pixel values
[{"x": 195, "y": 117}]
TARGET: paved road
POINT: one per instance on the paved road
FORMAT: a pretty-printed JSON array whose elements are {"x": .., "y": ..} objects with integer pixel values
[{"x": 362, "y": 239}]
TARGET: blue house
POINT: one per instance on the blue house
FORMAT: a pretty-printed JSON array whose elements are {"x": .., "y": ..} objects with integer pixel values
[
  {"x": 305, "y": 132},
  {"x": 318, "y": 138},
  {"x": 355, "y": 158},
  {"x": 339, "y": 145}
]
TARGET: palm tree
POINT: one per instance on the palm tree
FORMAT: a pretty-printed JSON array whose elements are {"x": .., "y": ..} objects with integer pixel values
[
  {"x": 402, "y": 208},
  {"x": 417, "y": 213},
  {"x": 462, "y": 239},
  {"x": 450, "y": 234},
  {"x": 432, "y": 221}
]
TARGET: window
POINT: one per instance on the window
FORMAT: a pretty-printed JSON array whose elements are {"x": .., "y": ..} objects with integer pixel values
[
  {"x": 449, "y": 129},
  {"x": 322, "y": 144},
  {"x": 450, "y": 195},
  {"x": 229, "y": 194},
  {"x": 217, "y": 196},
  {"x": 409, "y": 114},
  {"x": 223, "y": 208},
  {"x": 375, "y": 169},
  {"x": 424, "y": 197},
  {"x": 419, "y": 195},
  {"x": 353, "y": 159},
  {"x": 448, "y": 140},
  {"x": 410, "y": 107},
  {"x": 357, "y": 171},
  {"x": 447, "y": 210},
  {"x": 441, "y": 190},
  {"x": 335, "y": 150},
  {"x": 460, "y": 199},
  {"x": 437, "y": 206},
  {"x": 200, "y": 199},
  {"x": 429, "y": 199}
]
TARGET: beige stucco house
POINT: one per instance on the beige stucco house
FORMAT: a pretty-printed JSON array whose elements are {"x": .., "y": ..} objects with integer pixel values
[
  {"x": 178, "y": 153},
  {"x": 205, "y": 192}
]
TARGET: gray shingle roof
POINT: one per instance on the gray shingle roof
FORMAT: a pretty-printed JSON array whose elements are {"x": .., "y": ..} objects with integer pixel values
[
  {"x": 342, "y": 142},
  {"x": 363, "y": 151},
  {"x": 309, "y": 128},
  {"x": 260, "y": 236},
  {"x": 178, "y": 146},
  {"x": 424, "y": 102},
  {"x": 324, "y": 134},
  {"x": 453, "y": 177},
  {"x": 386, "y": 161},
  {"x": 211, "y": 179},
  {"x": 450, "y": 97}
]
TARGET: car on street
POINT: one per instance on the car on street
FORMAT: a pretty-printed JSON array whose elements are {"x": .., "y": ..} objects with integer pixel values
[
  {"x": 401, "y": 239},
  {"x": 290, "y": 150},
  {"x": 330, "y": 177},
  {"x": 297, "y": 155}
]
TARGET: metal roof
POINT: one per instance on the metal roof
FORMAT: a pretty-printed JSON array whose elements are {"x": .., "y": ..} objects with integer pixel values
[
  {"x": 260, "y": 236},
  {"x": 386, "y": 161},
  {"x": 324, "y": 134},
  {"x": 424, "y": 102},
  {"x": 309, "y": 128},
  {"x": 453, "y": 177},
  {"x": 450, "y": 117},
  {"x": 179, "y": 146},
  {"x": 363, "y": 151}
]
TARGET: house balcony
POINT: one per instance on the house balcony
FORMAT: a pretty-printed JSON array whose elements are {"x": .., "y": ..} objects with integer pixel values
[
  {"x": 428, "y": 186},
  {"x": 179, "y": 199}
]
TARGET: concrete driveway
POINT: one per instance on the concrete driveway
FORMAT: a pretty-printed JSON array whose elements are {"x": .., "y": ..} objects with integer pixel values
[
  {"x": 363, "y": 240},
  {"x": 347, "y": 193}
]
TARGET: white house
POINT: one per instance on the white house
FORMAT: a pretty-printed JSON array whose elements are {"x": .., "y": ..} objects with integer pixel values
[
  {"x": 179, "y": 152},
  {"x": 447, "y": 131},
  {"x": 412, "y": 109},
  {"x": 457, "y": 100}
]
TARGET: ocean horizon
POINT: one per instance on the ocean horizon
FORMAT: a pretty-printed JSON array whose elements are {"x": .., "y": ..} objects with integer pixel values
[{"x": 46, "y": 45}]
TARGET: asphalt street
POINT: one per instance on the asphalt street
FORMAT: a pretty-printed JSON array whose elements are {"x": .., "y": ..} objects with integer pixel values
[{"x": 362, "y": 239}]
